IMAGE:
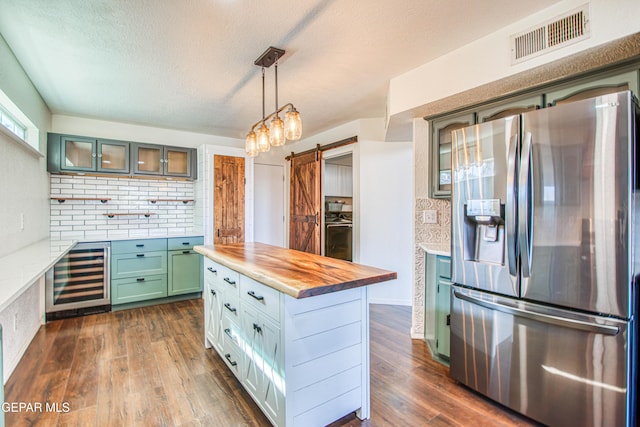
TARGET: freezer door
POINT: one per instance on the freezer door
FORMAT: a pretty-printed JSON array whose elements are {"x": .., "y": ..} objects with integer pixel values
[
  {"x": 575, "y": 187},
  {"x": 483, "y": 206},
  {"x": 557, "y": 367}
]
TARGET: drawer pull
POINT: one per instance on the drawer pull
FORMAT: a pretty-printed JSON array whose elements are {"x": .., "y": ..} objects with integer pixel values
[
  {"x": 213, "y": 292},
  {"x": 228, "y": 307},
  {"x": 212, "y": 270},
  {"x": 257, "y": 328},
  {"x": 228, "y": 357},
  {"x": 258, "y": 297},
  {"x": 186, "y": 252},
  {"x": 230, "y": 335},
  {"x": 229, "y": 281},
  {"x": 185, "y": 243},
  {"x": 140, "y": 255},
  {"x": 140, "y": 246},
  {"x": 140, "y": 279}
]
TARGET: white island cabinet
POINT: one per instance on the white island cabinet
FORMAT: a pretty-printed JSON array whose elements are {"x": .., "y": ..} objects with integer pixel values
[{"x": 305, "y": 360}]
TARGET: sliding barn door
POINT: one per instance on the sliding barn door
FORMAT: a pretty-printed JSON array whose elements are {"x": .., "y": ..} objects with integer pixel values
[
  {"x": 228, "y": 199},
  {"x": 304, "y": 228}
]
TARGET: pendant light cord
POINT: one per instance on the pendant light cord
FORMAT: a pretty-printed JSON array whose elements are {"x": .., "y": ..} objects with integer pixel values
[
  {"x": 263, "y": 96},
  {"x": 276, "y": 64}
]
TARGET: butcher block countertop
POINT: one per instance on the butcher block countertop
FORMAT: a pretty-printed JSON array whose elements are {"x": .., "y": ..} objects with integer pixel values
[{"x": 295, "y": 273}]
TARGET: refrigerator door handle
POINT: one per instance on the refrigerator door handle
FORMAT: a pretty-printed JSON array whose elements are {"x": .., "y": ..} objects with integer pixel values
[
  {"x": 525, "y": 207},
  {"x": 511, "y": 214},
  {"x": 541, "y": 317}
]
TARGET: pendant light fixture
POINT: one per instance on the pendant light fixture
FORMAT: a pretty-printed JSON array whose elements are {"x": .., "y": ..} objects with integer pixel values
[{"x": 278, "y": 131}]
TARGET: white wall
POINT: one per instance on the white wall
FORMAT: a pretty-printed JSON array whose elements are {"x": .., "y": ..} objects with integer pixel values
[
  {"x": 24, "y": 189},
  {"x": 137, "y": 133},
  {"x": 382, "y": 203},
  {"x": 488, "y": 59}
]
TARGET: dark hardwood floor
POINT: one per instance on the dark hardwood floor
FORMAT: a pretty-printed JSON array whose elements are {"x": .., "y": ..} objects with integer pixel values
[{"x": 149, "y": 367}]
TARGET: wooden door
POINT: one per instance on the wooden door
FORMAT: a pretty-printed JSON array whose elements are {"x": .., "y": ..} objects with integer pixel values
[
  {"x": 304, "y": 223},
  {"x": 228, "y": 199}
]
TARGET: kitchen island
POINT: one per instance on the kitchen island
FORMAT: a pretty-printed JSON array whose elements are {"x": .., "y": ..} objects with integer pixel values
[{"x": 293, "y": 327}]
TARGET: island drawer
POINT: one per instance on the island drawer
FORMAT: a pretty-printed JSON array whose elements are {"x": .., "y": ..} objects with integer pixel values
[
  {"x": 230, "y": 279},
  {"x": 231, "y": 334},
  {"x": 230, "y": 307},
  {"x": 178, "y": 243},
  {"x": 232, "y": 357},
  {"x": 139, "y": 246},
  {"x": 262, "y": 297}
]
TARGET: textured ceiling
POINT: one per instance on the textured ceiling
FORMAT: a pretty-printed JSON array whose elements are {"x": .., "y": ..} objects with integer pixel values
[{"x": 188, "y": 64}]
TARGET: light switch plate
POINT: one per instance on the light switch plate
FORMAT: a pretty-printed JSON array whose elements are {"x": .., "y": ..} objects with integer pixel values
[{"x": 430, "y": 216}]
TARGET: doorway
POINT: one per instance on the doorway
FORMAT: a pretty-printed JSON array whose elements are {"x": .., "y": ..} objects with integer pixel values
[
  {"x": 338, "y": 205},
  {"x": 269, "y": 205}
]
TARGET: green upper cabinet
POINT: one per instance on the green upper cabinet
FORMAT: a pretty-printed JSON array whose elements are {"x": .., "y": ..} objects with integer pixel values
[
  {"x": 80, "y": 154},
  {"x": 594, "y": 86},
  {"x": 441, "y": 151},
  {"x": 68, "y": 153},
  {"x": 149, "y": 159},
  {"x": 510, "y": 108}
]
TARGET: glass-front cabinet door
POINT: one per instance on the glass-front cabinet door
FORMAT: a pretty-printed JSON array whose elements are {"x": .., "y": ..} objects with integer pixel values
[
  {"x": 113, "y": 156},
  {"x": 78, "y": 154},
  {"x": 148, "y": 159},
  {"x": 441, "y": 152},
  {"x": 177, "y": 161},
  {"x": 162, "y": 160}
]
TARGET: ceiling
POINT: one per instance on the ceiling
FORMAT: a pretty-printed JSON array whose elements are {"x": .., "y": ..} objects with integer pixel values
[{"x": 188, "y": 64}]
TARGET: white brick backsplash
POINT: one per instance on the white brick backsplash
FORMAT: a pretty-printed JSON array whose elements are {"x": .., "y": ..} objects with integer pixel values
[{"x": 85, "y": 219}]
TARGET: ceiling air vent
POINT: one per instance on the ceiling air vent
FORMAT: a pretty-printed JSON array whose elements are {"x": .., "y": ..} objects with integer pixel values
[{"x": 551, "y": 35}]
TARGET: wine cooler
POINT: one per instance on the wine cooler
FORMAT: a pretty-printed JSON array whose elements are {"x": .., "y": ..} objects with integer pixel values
[{"x": 78, "y": 284}]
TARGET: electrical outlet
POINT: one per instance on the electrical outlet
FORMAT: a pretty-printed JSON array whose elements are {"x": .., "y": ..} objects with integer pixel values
[{"x": 430, "y": 216}]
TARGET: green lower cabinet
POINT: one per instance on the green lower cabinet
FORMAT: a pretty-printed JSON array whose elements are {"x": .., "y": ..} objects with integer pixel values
[
  {"x": 138, "y": 289},
  {"x": 185, "y": 272},
  {"x": 443, "y": 304}
]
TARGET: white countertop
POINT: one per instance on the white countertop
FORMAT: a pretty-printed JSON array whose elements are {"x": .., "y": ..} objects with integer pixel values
[
  {"x": 25, "y": 266},
  {"x": 436, "y": 248}
]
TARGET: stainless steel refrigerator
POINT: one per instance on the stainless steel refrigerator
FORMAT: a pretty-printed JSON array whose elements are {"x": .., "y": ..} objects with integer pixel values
[{"x": 545, "y": 261}]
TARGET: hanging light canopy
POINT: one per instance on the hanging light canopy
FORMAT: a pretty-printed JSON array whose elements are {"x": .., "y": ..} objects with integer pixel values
[{"x": 279, "y": 131}]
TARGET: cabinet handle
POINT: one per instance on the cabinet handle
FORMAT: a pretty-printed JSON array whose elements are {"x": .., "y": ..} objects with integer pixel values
[
  {"x": 185, "y": 243},
  {"x": 228, "y": 357},
  {"x": 140, "y": 279},
  {"x": 213, "y": 292},
  {"x": 257, "y": 328},
  {"x": 258, "y": 297},
  {"x": 229, "y": 281},
  {"x": 448, "y": 320},
  {"x": 140, "y": 246},
  {"x": 140, "y": 255},
  {"x": 186, "y": 252},
  {"x": 230, "y": 335},
  {"x": 212, "y": 270},
  {"x": 228, "y": 307}
]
